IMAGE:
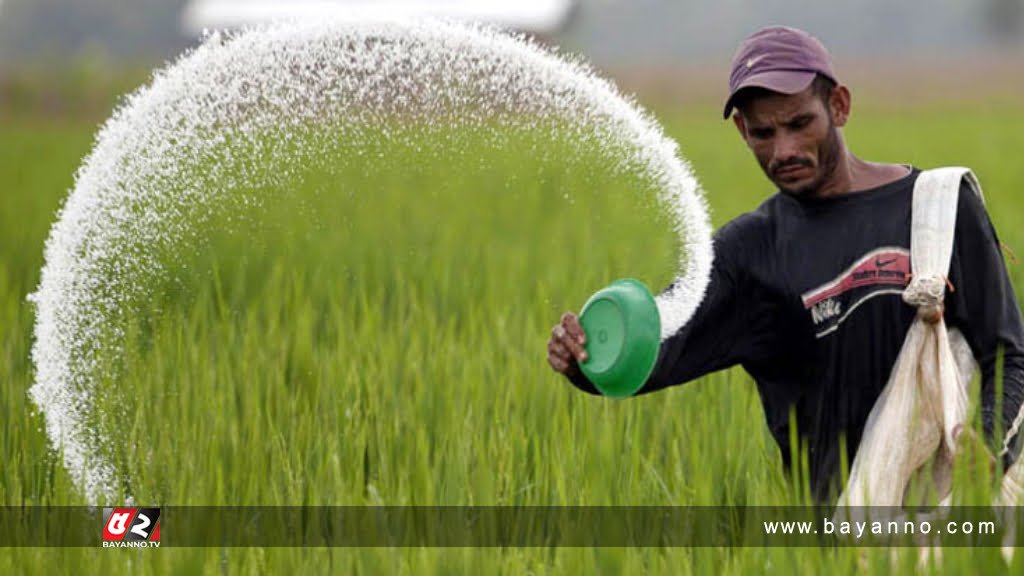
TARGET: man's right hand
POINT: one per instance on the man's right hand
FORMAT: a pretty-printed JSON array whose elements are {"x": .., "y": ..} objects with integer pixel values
[{"x": 565, "y": 347}]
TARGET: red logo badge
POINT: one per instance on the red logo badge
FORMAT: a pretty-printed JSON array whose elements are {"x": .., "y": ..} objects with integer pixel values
[{"x": 131, "y": 524}]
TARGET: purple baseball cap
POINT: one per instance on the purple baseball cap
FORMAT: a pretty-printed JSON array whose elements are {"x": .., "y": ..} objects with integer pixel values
[{"x": 778, "y": 58}]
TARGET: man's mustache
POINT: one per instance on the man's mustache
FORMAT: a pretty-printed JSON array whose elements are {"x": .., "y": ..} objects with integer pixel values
[{"x": 774, "y": 167}]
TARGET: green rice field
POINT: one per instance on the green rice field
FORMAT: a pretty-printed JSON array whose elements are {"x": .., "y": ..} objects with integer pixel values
[{"x": 378, "y": 337}]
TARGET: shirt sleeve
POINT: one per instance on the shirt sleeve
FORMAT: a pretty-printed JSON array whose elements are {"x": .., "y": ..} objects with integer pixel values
[
  {"x": 720, "y": 333},
  {"x": 984, "y": 308}
]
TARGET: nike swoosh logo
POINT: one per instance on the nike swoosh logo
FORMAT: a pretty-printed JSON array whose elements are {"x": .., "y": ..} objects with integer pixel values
[{"x": 883, "y": 263}]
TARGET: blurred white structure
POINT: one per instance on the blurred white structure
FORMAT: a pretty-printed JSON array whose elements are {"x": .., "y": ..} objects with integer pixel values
[{"x": 541, "y": 17}]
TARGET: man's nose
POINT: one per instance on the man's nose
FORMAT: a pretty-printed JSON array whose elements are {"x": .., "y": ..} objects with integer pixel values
[{"x": 785, "y": 148}]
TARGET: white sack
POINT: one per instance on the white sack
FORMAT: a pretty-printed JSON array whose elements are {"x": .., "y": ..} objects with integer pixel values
[{"x": 926, "y": 398}]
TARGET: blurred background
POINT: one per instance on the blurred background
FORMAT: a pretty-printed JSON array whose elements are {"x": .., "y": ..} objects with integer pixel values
[{"x": 60, "y": 57}]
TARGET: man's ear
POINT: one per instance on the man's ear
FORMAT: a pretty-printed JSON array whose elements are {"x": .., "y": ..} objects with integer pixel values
[{"x": 839, "y": 105}]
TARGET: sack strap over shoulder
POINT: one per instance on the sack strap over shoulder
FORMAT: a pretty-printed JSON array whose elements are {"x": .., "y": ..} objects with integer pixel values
[{"x": 933, "y": 223}]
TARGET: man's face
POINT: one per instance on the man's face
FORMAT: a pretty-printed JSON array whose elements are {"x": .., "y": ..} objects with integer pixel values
[{"x": 794, "y": 137}]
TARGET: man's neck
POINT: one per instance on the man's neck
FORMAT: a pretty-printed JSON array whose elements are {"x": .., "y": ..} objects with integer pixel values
[{"x": 853, "y": 175}]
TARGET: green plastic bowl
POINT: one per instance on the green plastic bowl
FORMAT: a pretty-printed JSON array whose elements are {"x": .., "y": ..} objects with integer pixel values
[{"x": 623, "y": 331}]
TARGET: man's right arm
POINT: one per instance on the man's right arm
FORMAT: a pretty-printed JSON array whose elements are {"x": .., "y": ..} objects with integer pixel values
[{"x": 719, "y": 335}]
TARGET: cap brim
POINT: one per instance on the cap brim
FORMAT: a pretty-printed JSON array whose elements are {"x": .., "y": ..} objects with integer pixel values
[{"x": 782, "y": 81}]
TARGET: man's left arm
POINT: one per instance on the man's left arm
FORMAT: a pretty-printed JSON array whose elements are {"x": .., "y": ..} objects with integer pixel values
[{"x": 983, "y": 307}]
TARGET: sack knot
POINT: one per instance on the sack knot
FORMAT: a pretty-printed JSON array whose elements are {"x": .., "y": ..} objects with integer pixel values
[{"x": 926, "y": 293}]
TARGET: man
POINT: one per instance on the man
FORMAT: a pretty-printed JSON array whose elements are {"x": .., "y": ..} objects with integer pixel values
[{"x": 805, "y": 291}]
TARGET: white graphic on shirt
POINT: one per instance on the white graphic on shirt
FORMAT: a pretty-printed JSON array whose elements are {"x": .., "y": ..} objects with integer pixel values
[{"x": 880, "y": 272}]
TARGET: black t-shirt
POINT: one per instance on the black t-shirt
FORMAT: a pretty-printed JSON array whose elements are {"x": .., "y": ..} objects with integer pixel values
[{"x": 805, "y": 294}]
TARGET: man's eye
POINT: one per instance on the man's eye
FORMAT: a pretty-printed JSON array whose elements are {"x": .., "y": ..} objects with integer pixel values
[
  {"x": 800, "y": 123},
  {"x": 761, "y": 134}
]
